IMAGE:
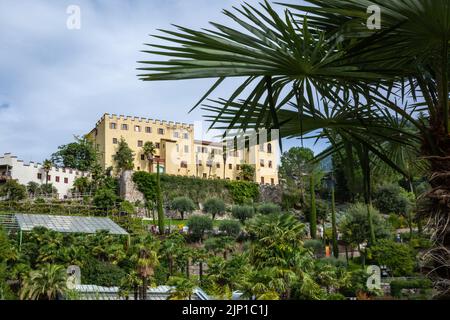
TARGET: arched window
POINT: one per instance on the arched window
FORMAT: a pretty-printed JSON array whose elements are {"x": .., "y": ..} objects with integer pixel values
[{"x": 269, "y": 148}]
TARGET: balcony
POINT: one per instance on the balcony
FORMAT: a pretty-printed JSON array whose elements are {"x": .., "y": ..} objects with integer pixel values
[{"x": 5, "y": 177}]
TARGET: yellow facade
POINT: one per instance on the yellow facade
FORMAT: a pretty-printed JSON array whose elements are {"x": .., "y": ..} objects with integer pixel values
[{"x": 177, "y": 150}]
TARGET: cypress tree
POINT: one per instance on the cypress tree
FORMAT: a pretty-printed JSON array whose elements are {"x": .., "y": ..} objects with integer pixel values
[
  {"x": 159, "y": 201},
  {"x": 333, "y": 223}
]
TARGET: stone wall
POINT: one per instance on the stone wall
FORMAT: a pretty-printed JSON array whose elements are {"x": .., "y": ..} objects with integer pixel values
[
  {"x": 128, "y": 189},
  {"x": 270, "y": 193}
]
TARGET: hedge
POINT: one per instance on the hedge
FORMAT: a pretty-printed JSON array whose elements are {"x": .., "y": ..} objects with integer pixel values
[
  {"x": 398, "y": 285},
  {"x": 199, "y": 190}
]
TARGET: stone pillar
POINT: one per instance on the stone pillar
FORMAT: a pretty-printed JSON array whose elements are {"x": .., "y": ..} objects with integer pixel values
[{"x": 128, "y": 189}]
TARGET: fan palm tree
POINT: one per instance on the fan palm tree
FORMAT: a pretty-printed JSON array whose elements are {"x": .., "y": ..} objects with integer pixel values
[
  {"x": 323, "y": 54},
  {"x": 147, "y": 260},
  {"x": 48, "y": 283},
  {"x": 131, "y": 282},
  {"x": 149, "y": 151},
  {"x": 200, "y": 256},
  {"x": 47, "y": 166},
  {"x": 183, "y": 288}
]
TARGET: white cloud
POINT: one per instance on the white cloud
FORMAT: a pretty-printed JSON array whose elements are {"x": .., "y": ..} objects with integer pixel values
[{"x": 58, "y": 82}]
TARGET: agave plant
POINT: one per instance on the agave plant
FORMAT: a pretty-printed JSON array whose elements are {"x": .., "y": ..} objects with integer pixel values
[{"x": 321, "y": 54}]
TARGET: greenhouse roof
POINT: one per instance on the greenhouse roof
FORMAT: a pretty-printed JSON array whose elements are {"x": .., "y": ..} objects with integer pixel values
[
  {"x": 93, "y": 292},
  {"x": 68, "y": 224}
]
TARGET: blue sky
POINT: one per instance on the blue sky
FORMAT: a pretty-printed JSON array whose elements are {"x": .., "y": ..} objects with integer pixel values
[{"x": 56, "y": 83}]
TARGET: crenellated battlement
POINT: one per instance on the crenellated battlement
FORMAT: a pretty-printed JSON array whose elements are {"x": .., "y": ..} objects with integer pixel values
[
  {"x": 142, "y": 120},
  {"x": 14, "y": 161}
]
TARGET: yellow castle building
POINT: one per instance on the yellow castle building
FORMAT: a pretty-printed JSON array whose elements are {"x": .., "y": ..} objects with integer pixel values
[{"x": 178, "y": 153}]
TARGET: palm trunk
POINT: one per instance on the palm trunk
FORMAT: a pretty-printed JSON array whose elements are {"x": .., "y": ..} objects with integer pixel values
[
  {"x": 170, "y": 266},
  {"x": 136, "y": 292},
  {"x": 418, "y": 220},
  {"x": 144, "y": 288},
  {"x": 365, "y": 162},
  {"x": 346, "y": 253},
  {"x": 187, "y": 269}
]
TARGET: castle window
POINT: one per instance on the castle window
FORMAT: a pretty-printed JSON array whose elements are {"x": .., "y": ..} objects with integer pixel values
[
  {"x": 113, "y": 125},
  {"x": 262, "y": 180},
  {"x": 124, "y": 126},
  {"x": 57, "y": 179},
  {"x": 49, "y": 178},
  {"x": 142, "y": 157},
  {"x": 238, "y": 167},
  {"x": 186, "y": 149},
  {"x": 272, "y": 181},
  {"x": 184, "y": 164},
  {"x": 176, "y": 134},
  {"x": 157, "y": 145},
  {"x": 186, "y": 136},
  {"x": 137, "y": 128},
  {"x": 269, "y": 148},
  {"x": 148, "y": 130},
  {"x": 270, "y": 164},
  {"x": 140, "y": 143},
  {"x": 230, "y": 166},
  {"x": 261, "y": 162},
  {"x": 114, "y": 140},
  {"x": 160, "y": 131},
  {"x": 66, "y": 180},
  {"x": 218, "y": 165},
  {"x": 39, "y": 176}
]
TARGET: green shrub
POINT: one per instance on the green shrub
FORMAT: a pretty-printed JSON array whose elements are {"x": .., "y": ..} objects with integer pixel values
[
  {"x": 127, "y": 207},
  {"x": 146, "y": 183},
  {"x": 322, "y": 210},
  {"x": 230, "y": 227},
  {"x": 48, "y": 189},
  {"x": 290, "y": 199},
  {"x": 392, "y": 198},
  {"x": 398, "y": 257},
  {"x": 316, "y": 246},
  {"x": 335, "y": 296},
  {"x": 269, "y": 208},
  {"x": 357, "y": 283},
  {"x": 242, "y": 213},
  {"x": 105, "y": 198},
  {"x": 354, "y": 225},
  {"x": 398, "y": 285},
  {"x": 214, "y": 206},
  {"x": 199, "y": 190},
  {"x": 102, "y": 273},
  {"x": 199, "y": 225},
  {"x": 243, "y": 191},
  {"x": 397, "y": 222},
  {"x": 14, "y": 191},
  {"x": 183, "y": 205}
]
